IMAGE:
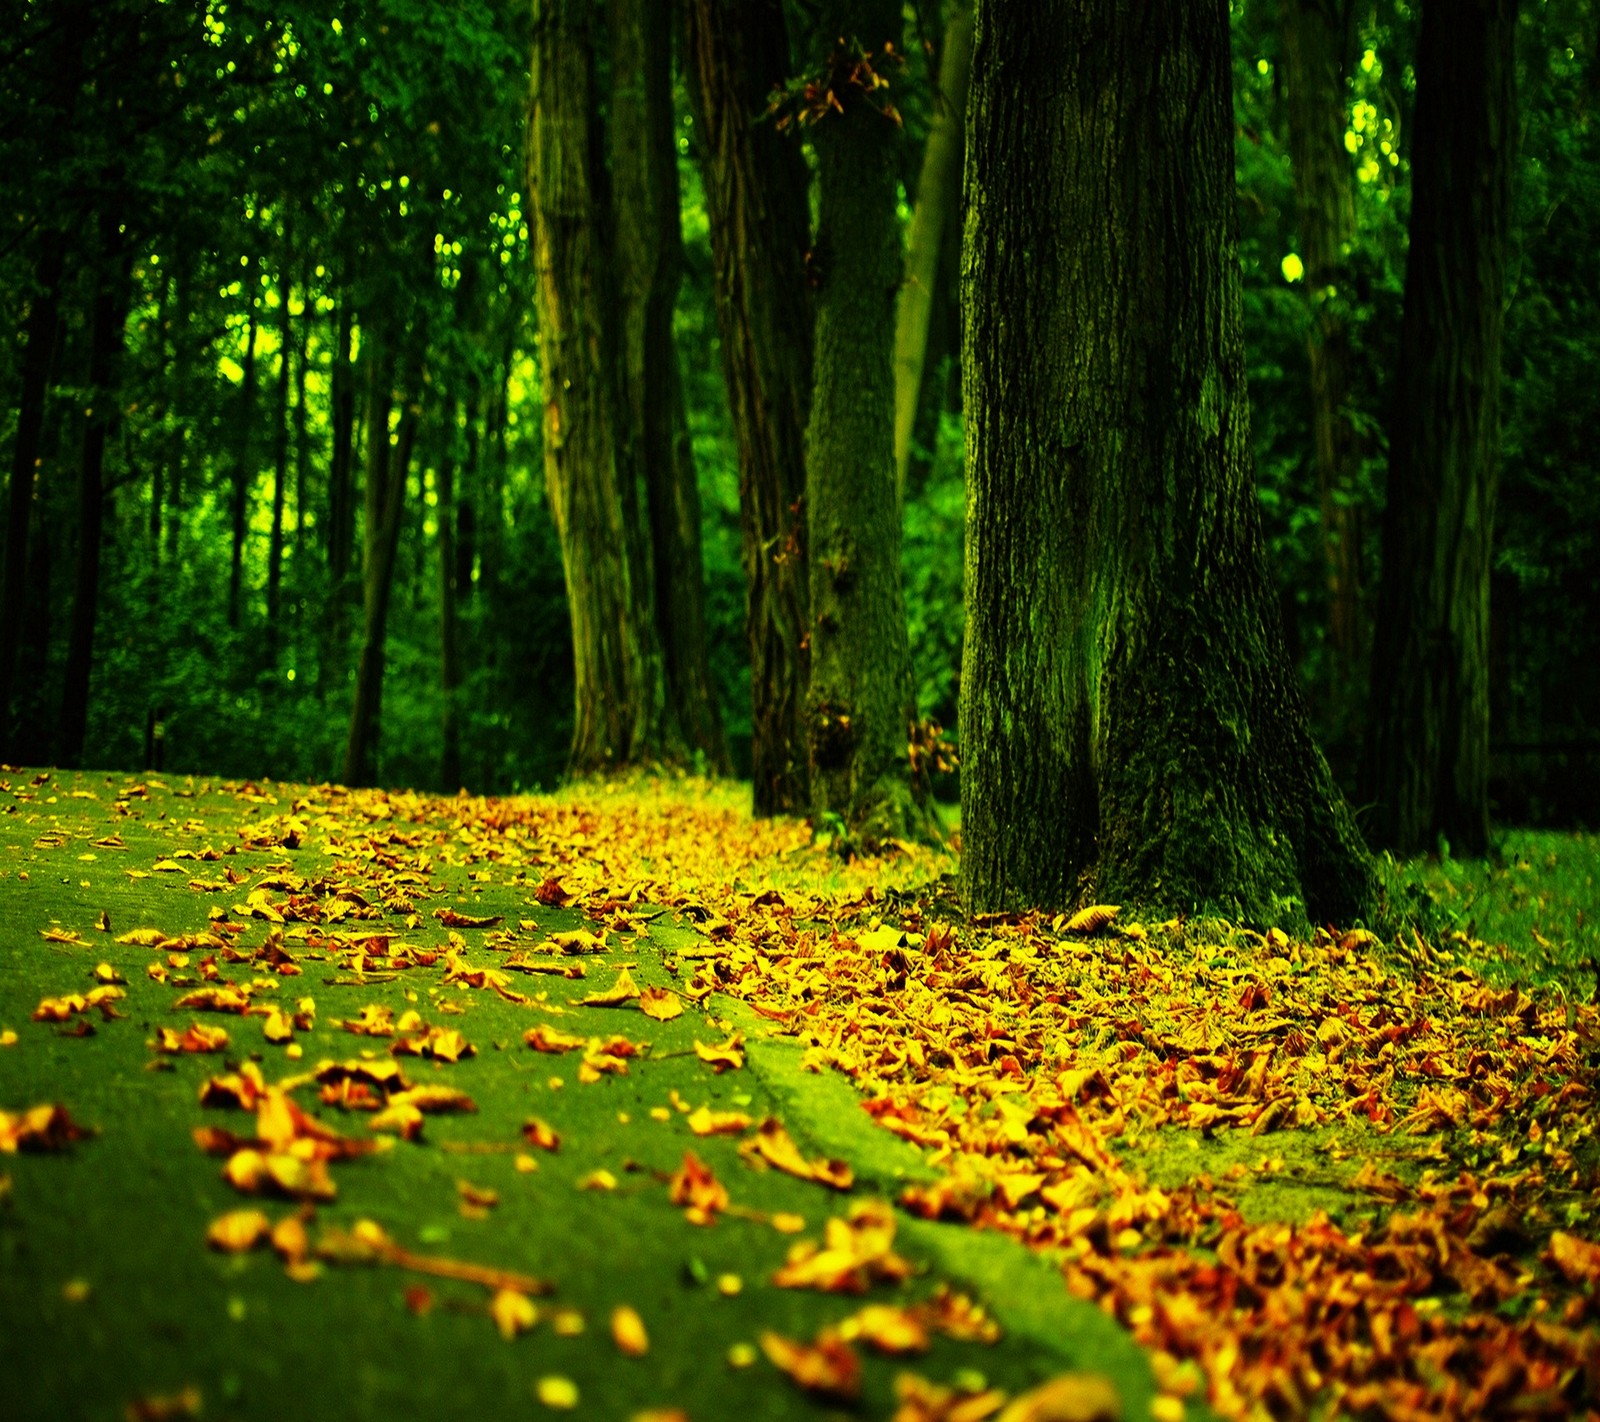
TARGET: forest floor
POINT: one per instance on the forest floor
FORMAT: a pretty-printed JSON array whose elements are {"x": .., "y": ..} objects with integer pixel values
[{"x": 346, "y": 1105}]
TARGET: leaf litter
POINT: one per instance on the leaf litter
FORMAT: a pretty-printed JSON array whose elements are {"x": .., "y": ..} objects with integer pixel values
[{"x": 1060, "y": 1074}]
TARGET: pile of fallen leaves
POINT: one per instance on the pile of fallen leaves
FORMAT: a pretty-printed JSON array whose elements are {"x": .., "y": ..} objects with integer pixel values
[{"x": 1106, "y": 1091}]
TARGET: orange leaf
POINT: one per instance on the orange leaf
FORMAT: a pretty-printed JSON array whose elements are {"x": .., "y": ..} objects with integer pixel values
[{"x": 827, "y": 1367}]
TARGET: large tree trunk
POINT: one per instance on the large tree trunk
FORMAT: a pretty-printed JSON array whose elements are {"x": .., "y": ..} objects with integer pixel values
[
  {"x": 39, "y": 335},
  {"x": 649, "y": 262},
  {"x": 755, "y": 188},
  {"x": 621, "y": 712},
  {"x": 1427, "y": 759},
  {"x": 383, "y": 502},
  {"x": 938, "y": 210},
  {"x": 1315, "y": 39},
  {"x": 861, "y": 705},
  {"x": 1131, "y": 727},
  {"x": 105, "y": 348},
  {"x": 243, "y": 462}
]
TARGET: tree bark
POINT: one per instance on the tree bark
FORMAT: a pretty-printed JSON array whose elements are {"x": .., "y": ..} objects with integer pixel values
[
  {"x": 1131, "y": 728},
  {"x": 280, "y": 466},
  {"x": 1427, "y": 757},
  {"x": 756, "y": 199},
  {"x": 621, "y": 713},
  {"x": 1315, "y": 40},
  {"x": 861, "y": 705},
  {"x": 649, "y": 263},
  {"x": 105, "y": 349},
  {"x": 938, "y": 209},
  {"x": 39, "y": 334},
  {"x": 449, "y": 640},
  {"x": 242, "y": 467},
  {"x": 383, "y": 503}
]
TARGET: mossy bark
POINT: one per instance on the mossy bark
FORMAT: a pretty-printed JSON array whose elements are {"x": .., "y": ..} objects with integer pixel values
[
  {"x": 861, "y": 705},
  {"x": 755, "y": 191},
  {"x": 621, "y": 712},
  {"x": 1426, "y": 769},
  {"x": 649, "y": 262},
  {"x": 1131, "y": 727}
]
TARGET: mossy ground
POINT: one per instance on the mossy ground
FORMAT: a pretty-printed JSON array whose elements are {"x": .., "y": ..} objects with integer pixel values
[{"x": 108, "y": 1293}]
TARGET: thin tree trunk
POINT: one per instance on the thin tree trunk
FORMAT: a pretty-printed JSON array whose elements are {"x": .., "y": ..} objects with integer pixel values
[
  {"x": 449, "y": 643},
  {"x": 861, "y": 707},
  {"x": 1427, "y": 757},
  {"x": 383, "y": 504},
  {"x": 183, "y": 276},
  {"x": 164, "y": 379},
  {"x": 649, "y": 263},
  {"x": 1131, "y": 727},
  {"x": 243, "y": 469},
  {"x": 105, "y": 347},
  {"x": 341, "y": 494},
  {"x": 302, "y": 432},
  {"x": 38, "y": 354},
  {"x": 756, "y": 198},
  {"x": 938, "y": 209},
  {"x": 621, "y": 713},
  {"x": 280, "y": 466},
  {"x": 1314, "y": 47}
]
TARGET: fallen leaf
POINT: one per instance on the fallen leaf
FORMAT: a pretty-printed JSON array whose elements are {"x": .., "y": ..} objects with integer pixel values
[
  {"x": 661, "y": 1004},
  {"x": 706, "y": 1122},
  {"x": 621, "y": 992},
  {"x": 451, "y": 919},
  {"x": 826, "y": 1368},
  {"x": 557, "y": 1393},
  {"x": 537, "y": 1133},
  {"x": 1072, "y": 1397},
  {"x": 167, "y": 1407},
  {"x": 194, "y": 1038},
  {"x": 723, "y": 1055},
  {"x": 697, "y": 1190},
  {"x": 544, "y": 1038},
  {"x": 888, "y": 1329},
  {"x": 513, "y": 1313},
  {"x": 773, "y": 1144},
  {"x": 628, "y": 1332},
  {"x": 1091, "y": 919},
  {"x": 39, "y": 1128},
  {"x": 855, "y": 1253},
  {"x": 238, "y": 1231},
  {"x": 1577, "y": 1258}
]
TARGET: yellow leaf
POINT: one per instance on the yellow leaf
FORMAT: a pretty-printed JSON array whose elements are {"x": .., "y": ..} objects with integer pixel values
[
  {"x": 238, "y": 1231},
  {"x": 1091, "y": 919},
  {"x": 628, "y": 1330},
  {"x": 556, "y": 1392},
  {"x": 513, "y": 1313},
  {"x": 706, "y": 1122},
  {"x": 1072, "y": 1397},
  {"x": 661, "y": 1004},
  {"x": 623, "y": 990}
]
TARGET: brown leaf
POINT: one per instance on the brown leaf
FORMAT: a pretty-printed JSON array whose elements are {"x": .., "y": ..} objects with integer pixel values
[{"x": 39, "y": 1128}]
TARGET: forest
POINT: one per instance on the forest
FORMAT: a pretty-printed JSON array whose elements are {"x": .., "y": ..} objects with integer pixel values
[
  {"x": 296, "y": 467},
  {"x": 800, "y": 709}
]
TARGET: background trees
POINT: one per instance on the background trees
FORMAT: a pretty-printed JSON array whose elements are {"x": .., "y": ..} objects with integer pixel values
[{"x": 321, "y": 171}]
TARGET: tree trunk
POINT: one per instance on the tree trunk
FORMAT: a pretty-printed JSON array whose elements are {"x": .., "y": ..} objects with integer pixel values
[
  {"x": 755, "y": 192},
  {"x": 1427, "y": 757},
  {"x": 243, "y": 470},
  {"x": 39, "y": 333},
  {"x": 449, "y": 645},
  {"x": 621, "y": 712},
  {"x": 1131, "y": 728},
  {"x": 1314, "y": 48},
  {"x": 302, "y": 431},
  {"x": 861, "y": 705},
  {"x": 340, "y": 532},
  {"x": 383, "y": 503},
  {"x": 938, "y": 209},
  {"x": 280, "y": 466},
  {"x": 105, "y": 347},
  {"x": 649, "y": 262}
]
